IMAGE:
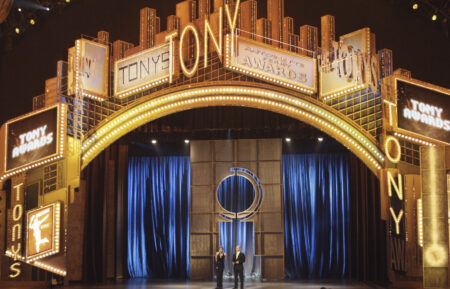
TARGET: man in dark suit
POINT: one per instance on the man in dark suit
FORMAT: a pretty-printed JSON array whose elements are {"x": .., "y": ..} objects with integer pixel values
[{"x": 238, "y": 262}]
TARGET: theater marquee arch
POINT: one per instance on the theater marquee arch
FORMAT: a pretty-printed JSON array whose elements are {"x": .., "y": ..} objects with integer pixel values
[{"x": 266, "y": 97}]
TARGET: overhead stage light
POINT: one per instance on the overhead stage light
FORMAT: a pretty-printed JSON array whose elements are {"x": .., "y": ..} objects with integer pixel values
[
  {"x": 19, "y": 9},
  {"x": 67, "y": 1},
  {"x": 288, "y": 139},
  {"x": 154, "y": 141},
  {"x": 434, "y": 17},
  {"x": 186, "y": 141},
  {"x": 17, "y": 30},
  {"x": 415, "y": 6},
  {"x": 32, "y": 22},
  {"x": 320, "y": 139}
]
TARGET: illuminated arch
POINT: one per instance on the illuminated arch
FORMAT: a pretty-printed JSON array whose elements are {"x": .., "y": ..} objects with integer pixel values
[{"x": 254, "y": 95}]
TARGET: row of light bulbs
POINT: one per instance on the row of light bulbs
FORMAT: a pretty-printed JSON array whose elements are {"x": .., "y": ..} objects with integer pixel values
[
  {"x": 62, "y": 136},
  {"x": 37, "y": 264},
  {"x": 413, "y": 139},
  {"x": 154, "y": 141},
  {"x": 254, "y": 74},
  {"x": 297, "y": 102},
  {"x": 134, "y": 121}
]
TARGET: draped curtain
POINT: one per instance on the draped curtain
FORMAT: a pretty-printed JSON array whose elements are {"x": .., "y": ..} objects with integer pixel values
[
  {"x": 158, "y": 217},
  {"x": 236, "y": 194},
  {"x": 317, "y": 212},
  {"x": 368, "y": 231}
]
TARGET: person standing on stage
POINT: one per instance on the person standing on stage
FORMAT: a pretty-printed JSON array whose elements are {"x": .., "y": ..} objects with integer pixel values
[
  {"x": 238, "y": 262},
  {"x": 220, "y": 263}
]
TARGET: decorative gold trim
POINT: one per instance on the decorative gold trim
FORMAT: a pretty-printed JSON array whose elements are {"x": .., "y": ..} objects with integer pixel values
[
  {"x": 231, "y": 64},
  {"x": 310, "y": 111},
  {"x": 424, "y": 85},
  {"x": 60, "y": 139},
  {"x": 139, "y": 87},
  {"x": 56, "y": 233}
]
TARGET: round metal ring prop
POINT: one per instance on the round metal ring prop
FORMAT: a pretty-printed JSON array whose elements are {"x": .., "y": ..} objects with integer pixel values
[{"x": 253, "y": 208}]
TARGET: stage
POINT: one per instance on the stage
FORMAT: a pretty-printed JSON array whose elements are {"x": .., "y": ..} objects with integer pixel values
[{"x": 144, "y": 284}]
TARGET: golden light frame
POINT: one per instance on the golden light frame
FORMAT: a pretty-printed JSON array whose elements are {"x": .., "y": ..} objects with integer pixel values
[
  {"x": 234, "y": 66},
  {"x": 264, "y": 97},
  {"x": 141, "y": 86},
  {"x": 56, "y": 216},
  {"x": 61, "y": 139},
  {"x": 409, "y": 135}
]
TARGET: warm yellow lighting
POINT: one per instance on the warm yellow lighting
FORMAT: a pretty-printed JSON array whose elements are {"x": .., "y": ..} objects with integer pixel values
[
  {"x": 415, "y": 6},
  {"x": 434, "y": 17},
  {"x": 413, "y": 139},
  {"x": 397, "y": 219},
  {"x": 32, "y": 22},
  {"x": 67, "y": 1},
  {"x": 190, "y": 73},
  {"x": 61, "y": 131},
  {"x": 208, "y": 31},
  {"x": 388, "y": 140},
  {"x": 17, "y": 30},
  {"x": 420, "y": 222},
  {"x": 312, "y": 112},
  {"x": 170, "y": 38},
  {"x": 232, "y": 23}
]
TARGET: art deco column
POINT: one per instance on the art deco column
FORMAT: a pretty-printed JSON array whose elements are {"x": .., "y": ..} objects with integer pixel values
[{"x": 435, "y": 223}]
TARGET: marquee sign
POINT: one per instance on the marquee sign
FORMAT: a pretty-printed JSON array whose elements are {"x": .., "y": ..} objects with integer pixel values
[
  {"x": 35, "y": 139},
  {"x": 423, "y": 111},
  {"x": 43, "y": 232},
  {"x": 91, "y": 65},
  {"x": 147, "y": 68},
  {"x": 272, "y": 64},
  {"x": 349, "y": 65}
]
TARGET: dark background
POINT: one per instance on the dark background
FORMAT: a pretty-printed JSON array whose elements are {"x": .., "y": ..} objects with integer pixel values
[
  {"x": 418, "y": 44},
  {"x": 15, "y": 129},
  {"x": 406, "y": 92}
]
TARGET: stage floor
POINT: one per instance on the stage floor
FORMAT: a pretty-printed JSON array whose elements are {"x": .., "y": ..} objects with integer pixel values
[{"x": 144, "y": 284}]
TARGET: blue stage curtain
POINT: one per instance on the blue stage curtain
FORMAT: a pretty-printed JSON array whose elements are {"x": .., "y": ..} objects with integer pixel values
[
  {"x": 158, "y": 217},
  {"x": 317, "y": 211},
  {"x": 236, "y": 194}
]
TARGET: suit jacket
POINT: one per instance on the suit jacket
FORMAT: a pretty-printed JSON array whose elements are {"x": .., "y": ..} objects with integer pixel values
[{"x": 240, "y": 259}]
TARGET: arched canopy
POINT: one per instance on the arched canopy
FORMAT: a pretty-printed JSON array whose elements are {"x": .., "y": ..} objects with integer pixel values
[{"x": 254, "y": 95}]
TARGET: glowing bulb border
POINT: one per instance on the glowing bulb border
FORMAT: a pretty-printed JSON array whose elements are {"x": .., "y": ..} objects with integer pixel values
[
  {"x": 229, "y": 64},
  {"x": 152, "y": 108},
  {"x": 60, "y": 141},
  {"x": 38, "y": 264},
  {"x": 56, "y": 237}
]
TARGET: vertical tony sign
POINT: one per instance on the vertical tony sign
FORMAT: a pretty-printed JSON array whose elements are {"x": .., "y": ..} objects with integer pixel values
[{"x": 392, "y": 183}]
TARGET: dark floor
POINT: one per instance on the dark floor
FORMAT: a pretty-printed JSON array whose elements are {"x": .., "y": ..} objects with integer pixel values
[{"x": 144, "y": 284}]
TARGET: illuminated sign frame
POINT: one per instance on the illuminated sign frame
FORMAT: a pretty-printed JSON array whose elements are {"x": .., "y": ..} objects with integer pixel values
[
  {"x": 406, "y": 134},
  {"x": 353, "y": 86},
  {"x": 314, "y": 112},
  {"x": 79, "y": 87},
  {"x": 232, "y": 65},
  {"x": 56, "y": 233},
  {"x": 146, "y": 84},
  {"x": 60, "y": 139}
]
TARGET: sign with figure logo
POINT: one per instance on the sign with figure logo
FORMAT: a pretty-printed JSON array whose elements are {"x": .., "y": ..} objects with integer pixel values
[
  {"x": 43, "y": 231},
  {"x": 93, "y": 60}
]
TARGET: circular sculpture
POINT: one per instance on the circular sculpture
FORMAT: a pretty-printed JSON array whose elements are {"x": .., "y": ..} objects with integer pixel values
[{"x": 244, "y": 202}]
